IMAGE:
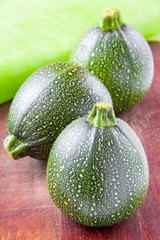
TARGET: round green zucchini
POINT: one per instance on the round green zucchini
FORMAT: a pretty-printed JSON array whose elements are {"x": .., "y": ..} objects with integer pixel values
[
  {"x": 97, "y": 172},
  {"x": 118, "y": 55},
  {"x": 50, "y": 99}
]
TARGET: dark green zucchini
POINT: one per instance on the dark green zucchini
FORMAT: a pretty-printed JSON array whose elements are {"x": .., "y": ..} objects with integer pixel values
[
  {"x": 49, "y": 100},
  {"x": 97, "y": 172},
  {"x": 118, "y": 55}
]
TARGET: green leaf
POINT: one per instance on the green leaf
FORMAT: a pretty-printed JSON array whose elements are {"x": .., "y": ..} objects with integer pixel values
[{"x": 36, "y": 33}]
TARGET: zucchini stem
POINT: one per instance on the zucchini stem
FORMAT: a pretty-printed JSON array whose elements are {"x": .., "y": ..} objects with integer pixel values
[
  {"x": 102, "y": 115},
  {"x": 15, "y": 147},
  {"x": 111, "y": 19}
]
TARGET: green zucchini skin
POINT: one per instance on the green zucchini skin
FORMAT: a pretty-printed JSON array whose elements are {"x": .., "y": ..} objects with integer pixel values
[
  {"x": 50, "y": 99},
  {"x": 98, "y": 176},
  {"x": 121, "y": 59}
]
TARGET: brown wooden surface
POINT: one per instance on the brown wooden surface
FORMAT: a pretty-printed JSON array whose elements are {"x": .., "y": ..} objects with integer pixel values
[{"x": 27, "y": 211}]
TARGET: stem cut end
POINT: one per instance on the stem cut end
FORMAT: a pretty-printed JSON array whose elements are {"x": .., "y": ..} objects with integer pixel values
[
  {"x": 111, "y": 19},
  {"x": 103, "y": 105},
  {"x": 15, "y": 147}
]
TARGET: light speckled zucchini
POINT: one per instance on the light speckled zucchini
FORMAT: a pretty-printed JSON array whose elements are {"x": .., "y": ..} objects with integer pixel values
[
  {"x": 118, "y": 55},
  {"x": 97, "y": 172},
  {"x": 50, "y": 99}
]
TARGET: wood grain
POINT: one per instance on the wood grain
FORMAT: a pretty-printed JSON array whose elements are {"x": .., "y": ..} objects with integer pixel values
[{"x": 27, "y": 211}]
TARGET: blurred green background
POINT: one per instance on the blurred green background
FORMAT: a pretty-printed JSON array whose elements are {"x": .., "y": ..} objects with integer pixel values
[{"x": 36, "y": 33}]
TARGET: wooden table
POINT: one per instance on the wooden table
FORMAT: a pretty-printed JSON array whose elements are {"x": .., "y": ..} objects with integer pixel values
[{"x": 27, "y": 211}]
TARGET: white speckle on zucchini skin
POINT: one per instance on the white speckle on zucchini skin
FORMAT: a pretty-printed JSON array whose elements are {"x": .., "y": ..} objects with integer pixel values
[
  {"x": 122, "y": 59},
  {"x": 49, "y": 100},
  {"x": 112, "y": 178}
]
